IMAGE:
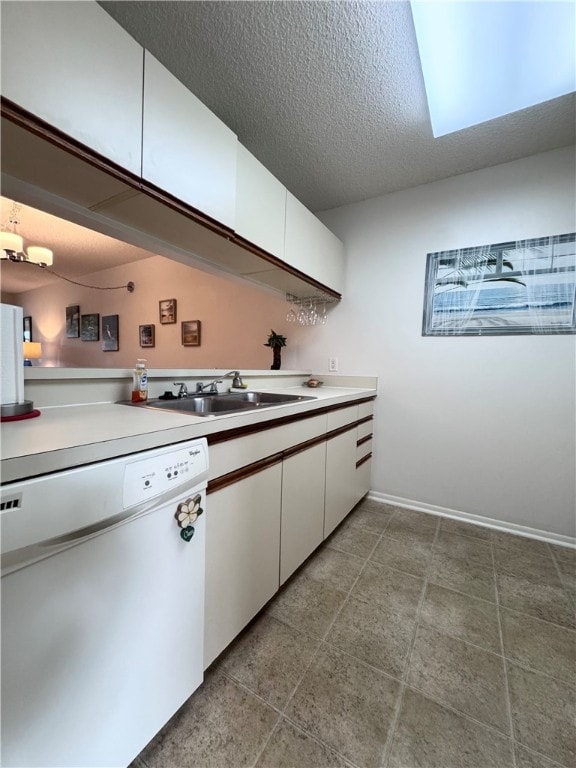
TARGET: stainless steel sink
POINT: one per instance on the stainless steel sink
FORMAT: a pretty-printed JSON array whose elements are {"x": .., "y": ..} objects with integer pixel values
[{"x": 218, "y": 405}]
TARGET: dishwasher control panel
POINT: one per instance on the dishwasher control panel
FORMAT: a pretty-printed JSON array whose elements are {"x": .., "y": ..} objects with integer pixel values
[{"x": 146, "y": 478}]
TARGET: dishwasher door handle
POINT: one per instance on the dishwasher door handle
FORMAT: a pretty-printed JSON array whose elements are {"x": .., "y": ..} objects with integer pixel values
[{"x": 17, "y": 558}]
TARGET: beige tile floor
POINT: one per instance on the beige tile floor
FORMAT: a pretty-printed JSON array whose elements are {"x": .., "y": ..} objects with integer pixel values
[{"x": 406, "y": 640}]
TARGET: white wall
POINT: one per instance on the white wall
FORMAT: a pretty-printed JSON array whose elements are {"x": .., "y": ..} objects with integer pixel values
[{"x": 484, "y": 426}]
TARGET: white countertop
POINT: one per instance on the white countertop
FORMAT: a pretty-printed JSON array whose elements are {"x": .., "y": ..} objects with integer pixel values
[{"x": 69, "y": 436}]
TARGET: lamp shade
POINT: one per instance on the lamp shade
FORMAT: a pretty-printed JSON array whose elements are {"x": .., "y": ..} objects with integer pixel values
[
  {"x": 32, "y": 350},
  {"x": 39, "y": 255},
  {"x": 10, "y": 241}
]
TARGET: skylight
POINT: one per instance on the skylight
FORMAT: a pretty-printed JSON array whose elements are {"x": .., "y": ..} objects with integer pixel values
[{"x": 482, "y": 59}]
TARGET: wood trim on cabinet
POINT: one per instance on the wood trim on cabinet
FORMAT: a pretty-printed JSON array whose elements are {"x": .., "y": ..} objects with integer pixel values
[
  {"x": 364, "y": 440},
  {"x": 292, "y": 451},
  {"x": 365, "y": 419},
  {"x": 39, "y": 127},
  {"x": 284, "y": 266},
  {"x": 341, "y": 430},
  {"x": 363, "y": 460},
  {"x": 250, "y": 429},
  {"x": 244, "y": 472},
  {"x": 63, "y": 141},
  {"x": 251, "y": 469}
]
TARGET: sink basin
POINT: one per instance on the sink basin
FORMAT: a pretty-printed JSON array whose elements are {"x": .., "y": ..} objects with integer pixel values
[{"x": 218, "y": 405}]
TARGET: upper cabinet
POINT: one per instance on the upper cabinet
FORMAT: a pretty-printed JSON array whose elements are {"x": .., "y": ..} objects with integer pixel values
[
  {"x": 187, "y": 151},
  {"x": 311, "y": 248},
  {"x": 73, "y": 66},
  {"x": 260, "y": 204}
]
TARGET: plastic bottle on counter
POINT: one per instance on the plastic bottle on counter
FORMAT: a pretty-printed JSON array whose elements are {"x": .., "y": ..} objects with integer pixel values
[{"x": 140, "y": 382}]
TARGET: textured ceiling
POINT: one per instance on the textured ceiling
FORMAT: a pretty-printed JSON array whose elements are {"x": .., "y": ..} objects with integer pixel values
[{"x": 328, "y": 95}]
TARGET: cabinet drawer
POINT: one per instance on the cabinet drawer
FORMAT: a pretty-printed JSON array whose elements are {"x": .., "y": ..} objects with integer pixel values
[
  {"x": 227, "y": 456},
  {"x": 363, "y": 449},
  {"x": 365, "y": 429},
  {"x": 365, "y": 409},
  {"x": 342, "y": 417}
]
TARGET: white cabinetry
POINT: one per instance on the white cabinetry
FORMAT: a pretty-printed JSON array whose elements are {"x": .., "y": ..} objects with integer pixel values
[
  {"x": 260, "y": 204},
  {"x": 341, "y": 482},
  {"x": 302, "y": 507},
  {"x": 187, "y": 151},
  {"x": 242, "y": 555},
  {"x": 73, "y": 66},
  {"x": 310, "y": 246}
]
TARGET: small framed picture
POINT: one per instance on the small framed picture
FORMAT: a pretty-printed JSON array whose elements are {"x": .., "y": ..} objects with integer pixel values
[
  {"x": 110, "y": 333},
  {"x": 90, "y": 327},
  {"x": 167, "y": 311},
  {"x": 73, "y": 322},
  {"x": 191, "y": 330},
  {"x": 27, "y": 328},
  {"x": 147, "y": 336}
]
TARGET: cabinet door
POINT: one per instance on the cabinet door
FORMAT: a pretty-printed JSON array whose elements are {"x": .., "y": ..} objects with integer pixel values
[
  {"x": 242, "y": 555},
  {"x": 302, "y": 507},
  {"x": 187, "y": 151},
  {"x": 341, "y": 483},
  {"x": 260, "y": 204},
  {"x": 73, "y": 66},
  {"x": 363, "y": 477},
  {"x": 311, "y": 247}
]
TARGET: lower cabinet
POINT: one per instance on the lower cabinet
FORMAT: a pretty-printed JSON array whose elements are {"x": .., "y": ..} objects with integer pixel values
[
  {"x": 302, "y": 507},
  {"x": 267, "y": 514},
  {"x": 242, "y": 555},
  {"x": 341, "y": 482}
]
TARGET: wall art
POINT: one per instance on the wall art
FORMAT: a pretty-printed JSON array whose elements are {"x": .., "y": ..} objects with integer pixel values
[
  {"x": 27, "y": 328},
  {"x": 167, "y": 311},
  {"x": 73, "y": 322},
  {"x": 191, "y": 330},
  {"x": 521, "y": 287},
  {"x": 110, "y": 341},
  {"x": 90, "y": 327},
  {"x": 147, "y": 335}
]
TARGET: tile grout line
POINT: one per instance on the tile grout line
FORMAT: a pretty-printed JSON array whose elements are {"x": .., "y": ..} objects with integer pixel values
[
  {"x": 571, "y": 594},
  {"x": 504, "y": 662},
  {"x": 403, "y": 683},
  {"x": 321, "y": 644}
]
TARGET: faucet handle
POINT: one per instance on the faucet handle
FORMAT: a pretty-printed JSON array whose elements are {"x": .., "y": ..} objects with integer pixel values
[{"x": 183, "y": 391}]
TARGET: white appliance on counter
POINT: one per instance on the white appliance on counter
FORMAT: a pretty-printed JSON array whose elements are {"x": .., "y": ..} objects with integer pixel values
[{"x": 102, "y": 606}]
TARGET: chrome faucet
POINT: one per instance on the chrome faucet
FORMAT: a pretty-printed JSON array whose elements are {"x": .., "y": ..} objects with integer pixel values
[
  {"x": 183, "y": 391},
  {"x": 211, "y": 386}
]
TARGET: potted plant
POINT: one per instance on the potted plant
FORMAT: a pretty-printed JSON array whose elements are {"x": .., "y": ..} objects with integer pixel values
[{"x": 276, "y": 341}]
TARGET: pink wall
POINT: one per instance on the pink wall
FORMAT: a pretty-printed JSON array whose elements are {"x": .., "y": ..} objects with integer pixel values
[{"x": 236, "y": 318}]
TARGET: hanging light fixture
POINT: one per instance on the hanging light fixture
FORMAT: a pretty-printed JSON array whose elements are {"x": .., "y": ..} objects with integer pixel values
[
  {"x": 12, "y": 244},
  {"x": 12, "y": 249}
]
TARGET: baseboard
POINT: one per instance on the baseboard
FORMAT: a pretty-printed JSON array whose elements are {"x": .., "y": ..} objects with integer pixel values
[{"x": 487, "y": 522}]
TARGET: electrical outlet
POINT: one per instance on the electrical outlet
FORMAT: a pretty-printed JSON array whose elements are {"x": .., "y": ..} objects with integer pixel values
[{"x": 333, "y": 364}]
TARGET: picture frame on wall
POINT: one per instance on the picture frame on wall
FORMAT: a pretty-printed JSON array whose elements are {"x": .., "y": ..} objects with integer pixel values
[
  {"x": 73, "y": 322},
  {"x": 191, "y": 333},
  {"x": 110, "y": 340},
  {"x": 510, "y": 288},
  {"x": 90, "y": 327},
  {"x": 27, "y": 328},
  {"x": 167, "y": 311},
  {"x": 147, "y": 335}
]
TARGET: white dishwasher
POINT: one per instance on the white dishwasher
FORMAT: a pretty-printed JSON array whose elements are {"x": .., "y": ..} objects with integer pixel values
[{"x": 102, "y": 606}]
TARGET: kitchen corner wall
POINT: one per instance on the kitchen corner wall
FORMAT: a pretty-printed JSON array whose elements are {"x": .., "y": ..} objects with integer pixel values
[
  {"x": 236, "y": 318},
  {"x": 484, "y": 426}
]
